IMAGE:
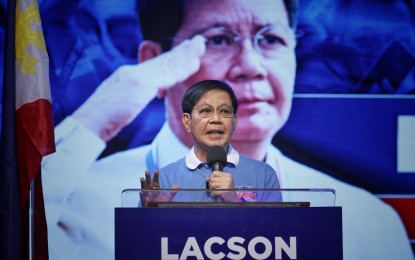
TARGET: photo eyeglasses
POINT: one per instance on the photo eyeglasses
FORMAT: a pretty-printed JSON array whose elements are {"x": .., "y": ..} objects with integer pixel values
[{"x": 269, "y": 40}]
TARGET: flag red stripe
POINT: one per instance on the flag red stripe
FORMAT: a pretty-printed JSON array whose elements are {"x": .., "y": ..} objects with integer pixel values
[
  {"x": 35, "y": 139},
  {"x": 36, "y": 120}
]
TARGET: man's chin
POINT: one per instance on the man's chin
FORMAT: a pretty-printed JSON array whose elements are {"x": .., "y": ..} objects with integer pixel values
[{"x": 252, "y": 135}]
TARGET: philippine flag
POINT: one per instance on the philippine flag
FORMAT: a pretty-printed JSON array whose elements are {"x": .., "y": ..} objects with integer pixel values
[
  {"x": 26, "y": 133},
  {"x": 34, "y": 123}
]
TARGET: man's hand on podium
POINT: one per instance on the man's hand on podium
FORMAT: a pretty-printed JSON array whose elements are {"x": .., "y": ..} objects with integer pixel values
[{"x": 149, "y": 187}]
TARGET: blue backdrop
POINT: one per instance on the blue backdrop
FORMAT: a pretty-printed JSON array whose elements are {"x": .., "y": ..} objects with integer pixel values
[
  {"x": 353, "y": 112},
  {"x": 355, "y": 78}
]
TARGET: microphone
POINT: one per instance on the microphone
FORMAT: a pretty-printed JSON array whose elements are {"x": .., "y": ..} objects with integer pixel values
[{"x": 216, "y": 158}]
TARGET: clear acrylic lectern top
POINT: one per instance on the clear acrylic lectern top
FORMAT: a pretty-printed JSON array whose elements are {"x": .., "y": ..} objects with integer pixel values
[{"x": 133, "y": 198}]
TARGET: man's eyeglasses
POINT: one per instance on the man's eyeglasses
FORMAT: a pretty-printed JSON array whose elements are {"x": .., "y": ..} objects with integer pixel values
[
  {"x": 269, "y": 40},
  {"x": 207, "y": 111}
]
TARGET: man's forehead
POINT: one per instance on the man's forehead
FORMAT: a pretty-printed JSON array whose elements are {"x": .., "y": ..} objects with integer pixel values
[
  {"x": 236, "y": 14},
  {"x": 211, "y": 98}
]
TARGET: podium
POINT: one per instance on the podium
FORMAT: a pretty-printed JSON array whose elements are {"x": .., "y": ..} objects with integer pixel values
[{"x": 280, "y": 224}]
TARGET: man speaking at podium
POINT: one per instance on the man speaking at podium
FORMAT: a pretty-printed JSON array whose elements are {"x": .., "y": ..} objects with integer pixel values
[
  {"x": 248, "y": 44},
  {"x": 210, "y": 117}
]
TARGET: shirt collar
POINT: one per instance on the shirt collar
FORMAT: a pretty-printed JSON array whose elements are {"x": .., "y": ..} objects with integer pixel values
[{"x": 192, "y": 162}]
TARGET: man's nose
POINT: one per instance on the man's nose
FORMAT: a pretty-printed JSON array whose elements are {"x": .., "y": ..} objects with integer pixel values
[
  {"x": 215, "y": 118},
  {"x": 247, "y": 63}
]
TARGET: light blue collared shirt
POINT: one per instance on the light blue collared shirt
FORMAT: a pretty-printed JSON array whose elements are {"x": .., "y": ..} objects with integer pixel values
[{"x": 191, "y": 173}]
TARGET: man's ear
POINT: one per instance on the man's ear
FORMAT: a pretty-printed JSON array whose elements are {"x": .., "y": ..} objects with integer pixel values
[
  {"x": 148, "y": 50},
  {"x": 186, "y": 121}
]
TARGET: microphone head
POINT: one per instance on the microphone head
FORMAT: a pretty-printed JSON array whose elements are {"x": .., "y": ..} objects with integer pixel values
[{"x": 216, "y": 154}]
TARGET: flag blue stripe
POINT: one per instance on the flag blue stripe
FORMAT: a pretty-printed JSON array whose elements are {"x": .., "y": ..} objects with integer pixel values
[{"x": 9, "y": 182}]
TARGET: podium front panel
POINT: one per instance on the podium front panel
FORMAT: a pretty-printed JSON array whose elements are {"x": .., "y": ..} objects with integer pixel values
[{"x": 228, "y": 233}]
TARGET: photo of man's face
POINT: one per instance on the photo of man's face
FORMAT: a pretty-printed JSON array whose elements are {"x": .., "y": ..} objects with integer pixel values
[{"x": 260, "y": 65}]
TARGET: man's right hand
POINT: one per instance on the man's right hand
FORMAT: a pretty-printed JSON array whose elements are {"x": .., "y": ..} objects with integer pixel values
[
  {"x": 149, "y": 189},
  {"x": 123, "y": 95}
]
